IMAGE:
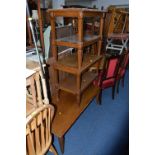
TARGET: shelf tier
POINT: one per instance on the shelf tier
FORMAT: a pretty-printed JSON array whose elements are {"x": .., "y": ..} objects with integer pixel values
[
  {"x": 75, "y": 12},
  {"x": 69, "y": 63},
  {"x": 68, "y": 84},
  {"x": 72, "y": 41}
]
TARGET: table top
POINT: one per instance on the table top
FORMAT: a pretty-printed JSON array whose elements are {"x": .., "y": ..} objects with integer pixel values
[
  {"x": 33, "y": 65},
  {"x": 67, "y": 110}
]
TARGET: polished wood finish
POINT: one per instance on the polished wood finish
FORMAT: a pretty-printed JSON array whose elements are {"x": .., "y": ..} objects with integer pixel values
[
  {"x": 38, "y": 131},
  {"x": 79, "y": 62},
  {"x": 75, "y": 12}
]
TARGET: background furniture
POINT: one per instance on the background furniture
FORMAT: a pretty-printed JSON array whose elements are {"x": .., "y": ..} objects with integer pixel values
[
  {"x": 38, "y": 131},
  {"x": 117, "y": 35},
  {"x": 87, "y": 49}
]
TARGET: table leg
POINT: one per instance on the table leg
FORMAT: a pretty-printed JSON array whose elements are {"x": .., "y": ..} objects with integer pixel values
[{"x": 61, "y": 143}]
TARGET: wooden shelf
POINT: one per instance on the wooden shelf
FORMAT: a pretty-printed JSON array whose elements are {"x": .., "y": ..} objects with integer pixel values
[
  {"x": 70, "y": 61},
  {"x": 69, "y": 83},
  {"x": 75, "y": 12},
  {"x": 74, "y": 38},
  {"x": 72, "y": 41}
]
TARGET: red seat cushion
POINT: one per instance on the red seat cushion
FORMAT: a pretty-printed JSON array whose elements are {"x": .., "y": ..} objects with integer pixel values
[{"x": 105, "y": 83}]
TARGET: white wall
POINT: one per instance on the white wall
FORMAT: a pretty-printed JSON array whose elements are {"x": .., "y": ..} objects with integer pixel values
[
  {"x": 57, "y": 4},
  {"x": 87, "y": 3},
  {"x": 106, "y": 3}
]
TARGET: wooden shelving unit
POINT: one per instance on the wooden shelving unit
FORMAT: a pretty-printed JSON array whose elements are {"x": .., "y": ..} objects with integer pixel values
[{"x": 77, "y": 64}]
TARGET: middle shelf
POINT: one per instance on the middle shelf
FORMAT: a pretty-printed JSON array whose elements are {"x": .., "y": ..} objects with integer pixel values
[{"x": 69, "y": 63}]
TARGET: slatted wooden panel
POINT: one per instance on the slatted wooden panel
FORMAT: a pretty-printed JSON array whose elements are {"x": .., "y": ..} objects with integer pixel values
[
  {"x": 36, "y": 90},
  {"x": 38, "y": 131}
]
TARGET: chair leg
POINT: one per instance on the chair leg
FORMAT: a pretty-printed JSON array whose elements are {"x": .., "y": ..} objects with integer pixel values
[
  {"x": 52, "y": 149},
  {"x": 99, "y": 97},
  {"x": 123, "y": 81},
  {"x": 113, "y": 92},
  {"x": 118, "y": 86}
]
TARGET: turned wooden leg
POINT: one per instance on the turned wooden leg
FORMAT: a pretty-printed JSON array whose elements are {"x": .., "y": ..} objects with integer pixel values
[
  {"x": 98, "y": 97},
  {"x": 52, "y": 149},
  {"x": 61, "y": 143},
  {"x": 113, "y": 92}
]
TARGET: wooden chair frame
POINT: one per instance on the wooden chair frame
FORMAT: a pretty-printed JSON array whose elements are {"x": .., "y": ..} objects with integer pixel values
[
  {"x": 115, "y": 35},
  {"x": 38, "y": 131},
  {"x": 36, "y": 90}
]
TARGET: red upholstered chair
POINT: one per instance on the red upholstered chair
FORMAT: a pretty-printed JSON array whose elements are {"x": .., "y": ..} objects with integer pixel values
[
  {"x": 122, "y": 69},
  {"x": 107, "y": 77}
]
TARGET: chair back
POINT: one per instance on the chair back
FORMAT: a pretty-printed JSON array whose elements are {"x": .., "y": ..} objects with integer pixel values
[
  {"x": 38, "y": 130},
  {"x": 119, "y": 22},
  {"x": 112, "y": 64},
  {"x": 110, "y": 20},
  {"x": 36, "y": 90}
]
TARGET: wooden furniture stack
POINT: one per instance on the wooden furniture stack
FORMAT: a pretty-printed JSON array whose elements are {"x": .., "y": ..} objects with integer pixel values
[{"x": 87, "y": 52}]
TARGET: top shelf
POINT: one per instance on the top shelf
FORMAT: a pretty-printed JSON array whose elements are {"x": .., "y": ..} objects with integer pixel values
[{"x": 75, "y": 12}]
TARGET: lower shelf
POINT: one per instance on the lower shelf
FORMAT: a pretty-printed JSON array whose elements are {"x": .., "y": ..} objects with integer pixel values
[{"x": 69, "y": 83}]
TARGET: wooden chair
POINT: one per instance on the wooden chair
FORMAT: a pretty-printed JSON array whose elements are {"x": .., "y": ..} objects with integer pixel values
[
  {"x": 36, "y": 91},
  {"x": 38, "y": 131},
  {"x": 122, "y": 69},
  {"x": 118, "y": 33},
  {"x": 107, "y": 76}
]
